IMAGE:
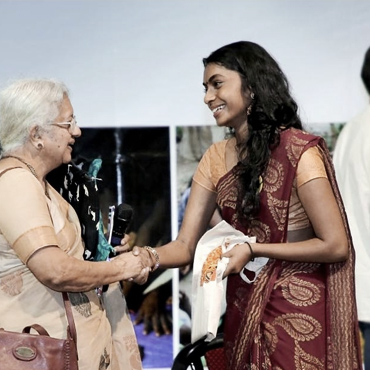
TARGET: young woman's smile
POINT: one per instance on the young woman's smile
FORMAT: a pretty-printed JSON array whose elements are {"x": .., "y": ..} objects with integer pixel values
[{"x": 224, "y": 96}]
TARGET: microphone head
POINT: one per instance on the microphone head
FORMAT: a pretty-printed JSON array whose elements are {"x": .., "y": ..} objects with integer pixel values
[
  {"x": 121, "y": 221},
  {"x": 124, "y": 212}
]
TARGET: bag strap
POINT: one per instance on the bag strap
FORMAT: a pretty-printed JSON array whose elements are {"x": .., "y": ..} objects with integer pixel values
[
  {"x": 40, "y": 329},
  {"x": 71, "y": 329}
]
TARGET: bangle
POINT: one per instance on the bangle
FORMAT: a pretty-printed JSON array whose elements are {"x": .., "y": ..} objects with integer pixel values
[
  {"x": 251, "y": 250},
  {"x": 156, "y": 257}
]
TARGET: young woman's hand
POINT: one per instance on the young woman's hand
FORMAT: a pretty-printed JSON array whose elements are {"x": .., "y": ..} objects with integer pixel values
[{"x": 238, "y": 256}]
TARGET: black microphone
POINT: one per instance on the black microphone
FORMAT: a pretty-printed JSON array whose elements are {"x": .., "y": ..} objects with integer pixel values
[{"x": 119, "y": 221}]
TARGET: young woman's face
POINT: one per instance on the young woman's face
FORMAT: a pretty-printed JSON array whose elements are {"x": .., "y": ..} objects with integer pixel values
[{"x": 224, "y": 96}]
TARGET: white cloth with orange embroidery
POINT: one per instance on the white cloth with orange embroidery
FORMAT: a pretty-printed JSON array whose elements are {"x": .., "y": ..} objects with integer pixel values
[{"x": 208, "y": 287}]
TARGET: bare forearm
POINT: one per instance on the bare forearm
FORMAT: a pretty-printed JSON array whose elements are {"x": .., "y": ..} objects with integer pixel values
[
  {"x": 60, "y": 272},
  {"x": 312, "y": 250},
  {"x": 174, "y": 254},
  {"x": 85, "y": 277}
]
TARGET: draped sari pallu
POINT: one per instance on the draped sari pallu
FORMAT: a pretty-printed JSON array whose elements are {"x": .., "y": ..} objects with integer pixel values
[{"x": 295, "y": 315}]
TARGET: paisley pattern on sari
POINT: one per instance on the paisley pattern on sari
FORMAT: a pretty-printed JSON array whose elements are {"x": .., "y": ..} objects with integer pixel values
[{"x": 295, "y": 315}]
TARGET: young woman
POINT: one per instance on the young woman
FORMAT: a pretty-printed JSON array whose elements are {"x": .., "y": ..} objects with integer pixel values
[{"x": 274, "y": 181}]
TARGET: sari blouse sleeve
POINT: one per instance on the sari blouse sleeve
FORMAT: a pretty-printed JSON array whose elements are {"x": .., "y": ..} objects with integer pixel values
[
  {"x": 25, "y": 220},
  {"x": 310, "y": 166},
  {"x": 211, "y": 167}
]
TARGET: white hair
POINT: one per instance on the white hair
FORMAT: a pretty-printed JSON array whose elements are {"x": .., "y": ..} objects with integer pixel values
[{"x": 26, "y": 103}]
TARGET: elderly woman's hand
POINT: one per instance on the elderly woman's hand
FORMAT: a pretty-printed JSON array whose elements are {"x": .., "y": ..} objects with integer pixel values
[
  {"x": 132, "y": 267},
  {"x": 142, "y": 277},
  {"x": 124, "y": 246}
]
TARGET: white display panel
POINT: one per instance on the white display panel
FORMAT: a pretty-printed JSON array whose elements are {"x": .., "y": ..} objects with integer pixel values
[{"x": 139, "y": 62}]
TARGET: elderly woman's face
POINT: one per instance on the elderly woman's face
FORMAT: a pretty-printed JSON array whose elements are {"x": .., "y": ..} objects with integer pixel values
[{"x": 62, "y": 134}]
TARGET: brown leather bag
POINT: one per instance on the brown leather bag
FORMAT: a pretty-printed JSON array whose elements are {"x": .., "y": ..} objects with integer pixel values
[{"x": 25, "y": 351}]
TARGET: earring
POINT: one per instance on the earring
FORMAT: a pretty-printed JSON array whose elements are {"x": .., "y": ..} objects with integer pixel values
[
  {"x": 40, "y": 146},
  {"x": 249, "y": 109}
]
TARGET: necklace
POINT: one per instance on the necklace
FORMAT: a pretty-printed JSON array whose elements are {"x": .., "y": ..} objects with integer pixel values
[
  {"x": 24, "y": 162},
  {"x": 33, "y": 171}
]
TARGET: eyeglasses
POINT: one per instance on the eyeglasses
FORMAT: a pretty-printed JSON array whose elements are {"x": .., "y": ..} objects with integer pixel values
[{"x": 69, "y": 125}]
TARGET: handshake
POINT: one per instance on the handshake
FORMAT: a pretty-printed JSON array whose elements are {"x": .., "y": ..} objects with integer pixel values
[
  {"x": 147, "y": 258},
  {"x": 137, "y": 262}
]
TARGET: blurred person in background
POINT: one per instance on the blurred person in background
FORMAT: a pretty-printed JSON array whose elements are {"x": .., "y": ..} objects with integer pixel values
[{"x": 352, "y": 164}]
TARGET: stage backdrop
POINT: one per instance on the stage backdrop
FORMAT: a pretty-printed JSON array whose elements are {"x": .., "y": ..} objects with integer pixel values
[{"x": 139, "y": 62}]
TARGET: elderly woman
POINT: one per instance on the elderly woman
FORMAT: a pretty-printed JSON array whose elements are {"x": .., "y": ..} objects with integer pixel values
[{"x": 40, "y": 237}]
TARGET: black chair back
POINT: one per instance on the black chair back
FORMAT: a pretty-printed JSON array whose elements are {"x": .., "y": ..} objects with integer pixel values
[{"x": 201, "y": 354}]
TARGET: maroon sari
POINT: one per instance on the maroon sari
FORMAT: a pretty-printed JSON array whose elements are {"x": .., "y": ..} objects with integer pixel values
[{"x": 295, "y": 315}]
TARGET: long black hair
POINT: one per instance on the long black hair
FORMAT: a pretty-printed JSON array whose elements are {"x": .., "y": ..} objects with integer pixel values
[
  {"x": 365, "y": 71},
  {"x": 273, "y": 109}
]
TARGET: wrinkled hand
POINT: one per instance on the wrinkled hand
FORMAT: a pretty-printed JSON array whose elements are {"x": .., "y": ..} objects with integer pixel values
[
  {"x": 124, "y": 246},
  {"x": 142, "y": 277},
  {"x": 238, "y": 256},
  {"x": 132, "y": 267},
  {"x": 153, "y": 314}
]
